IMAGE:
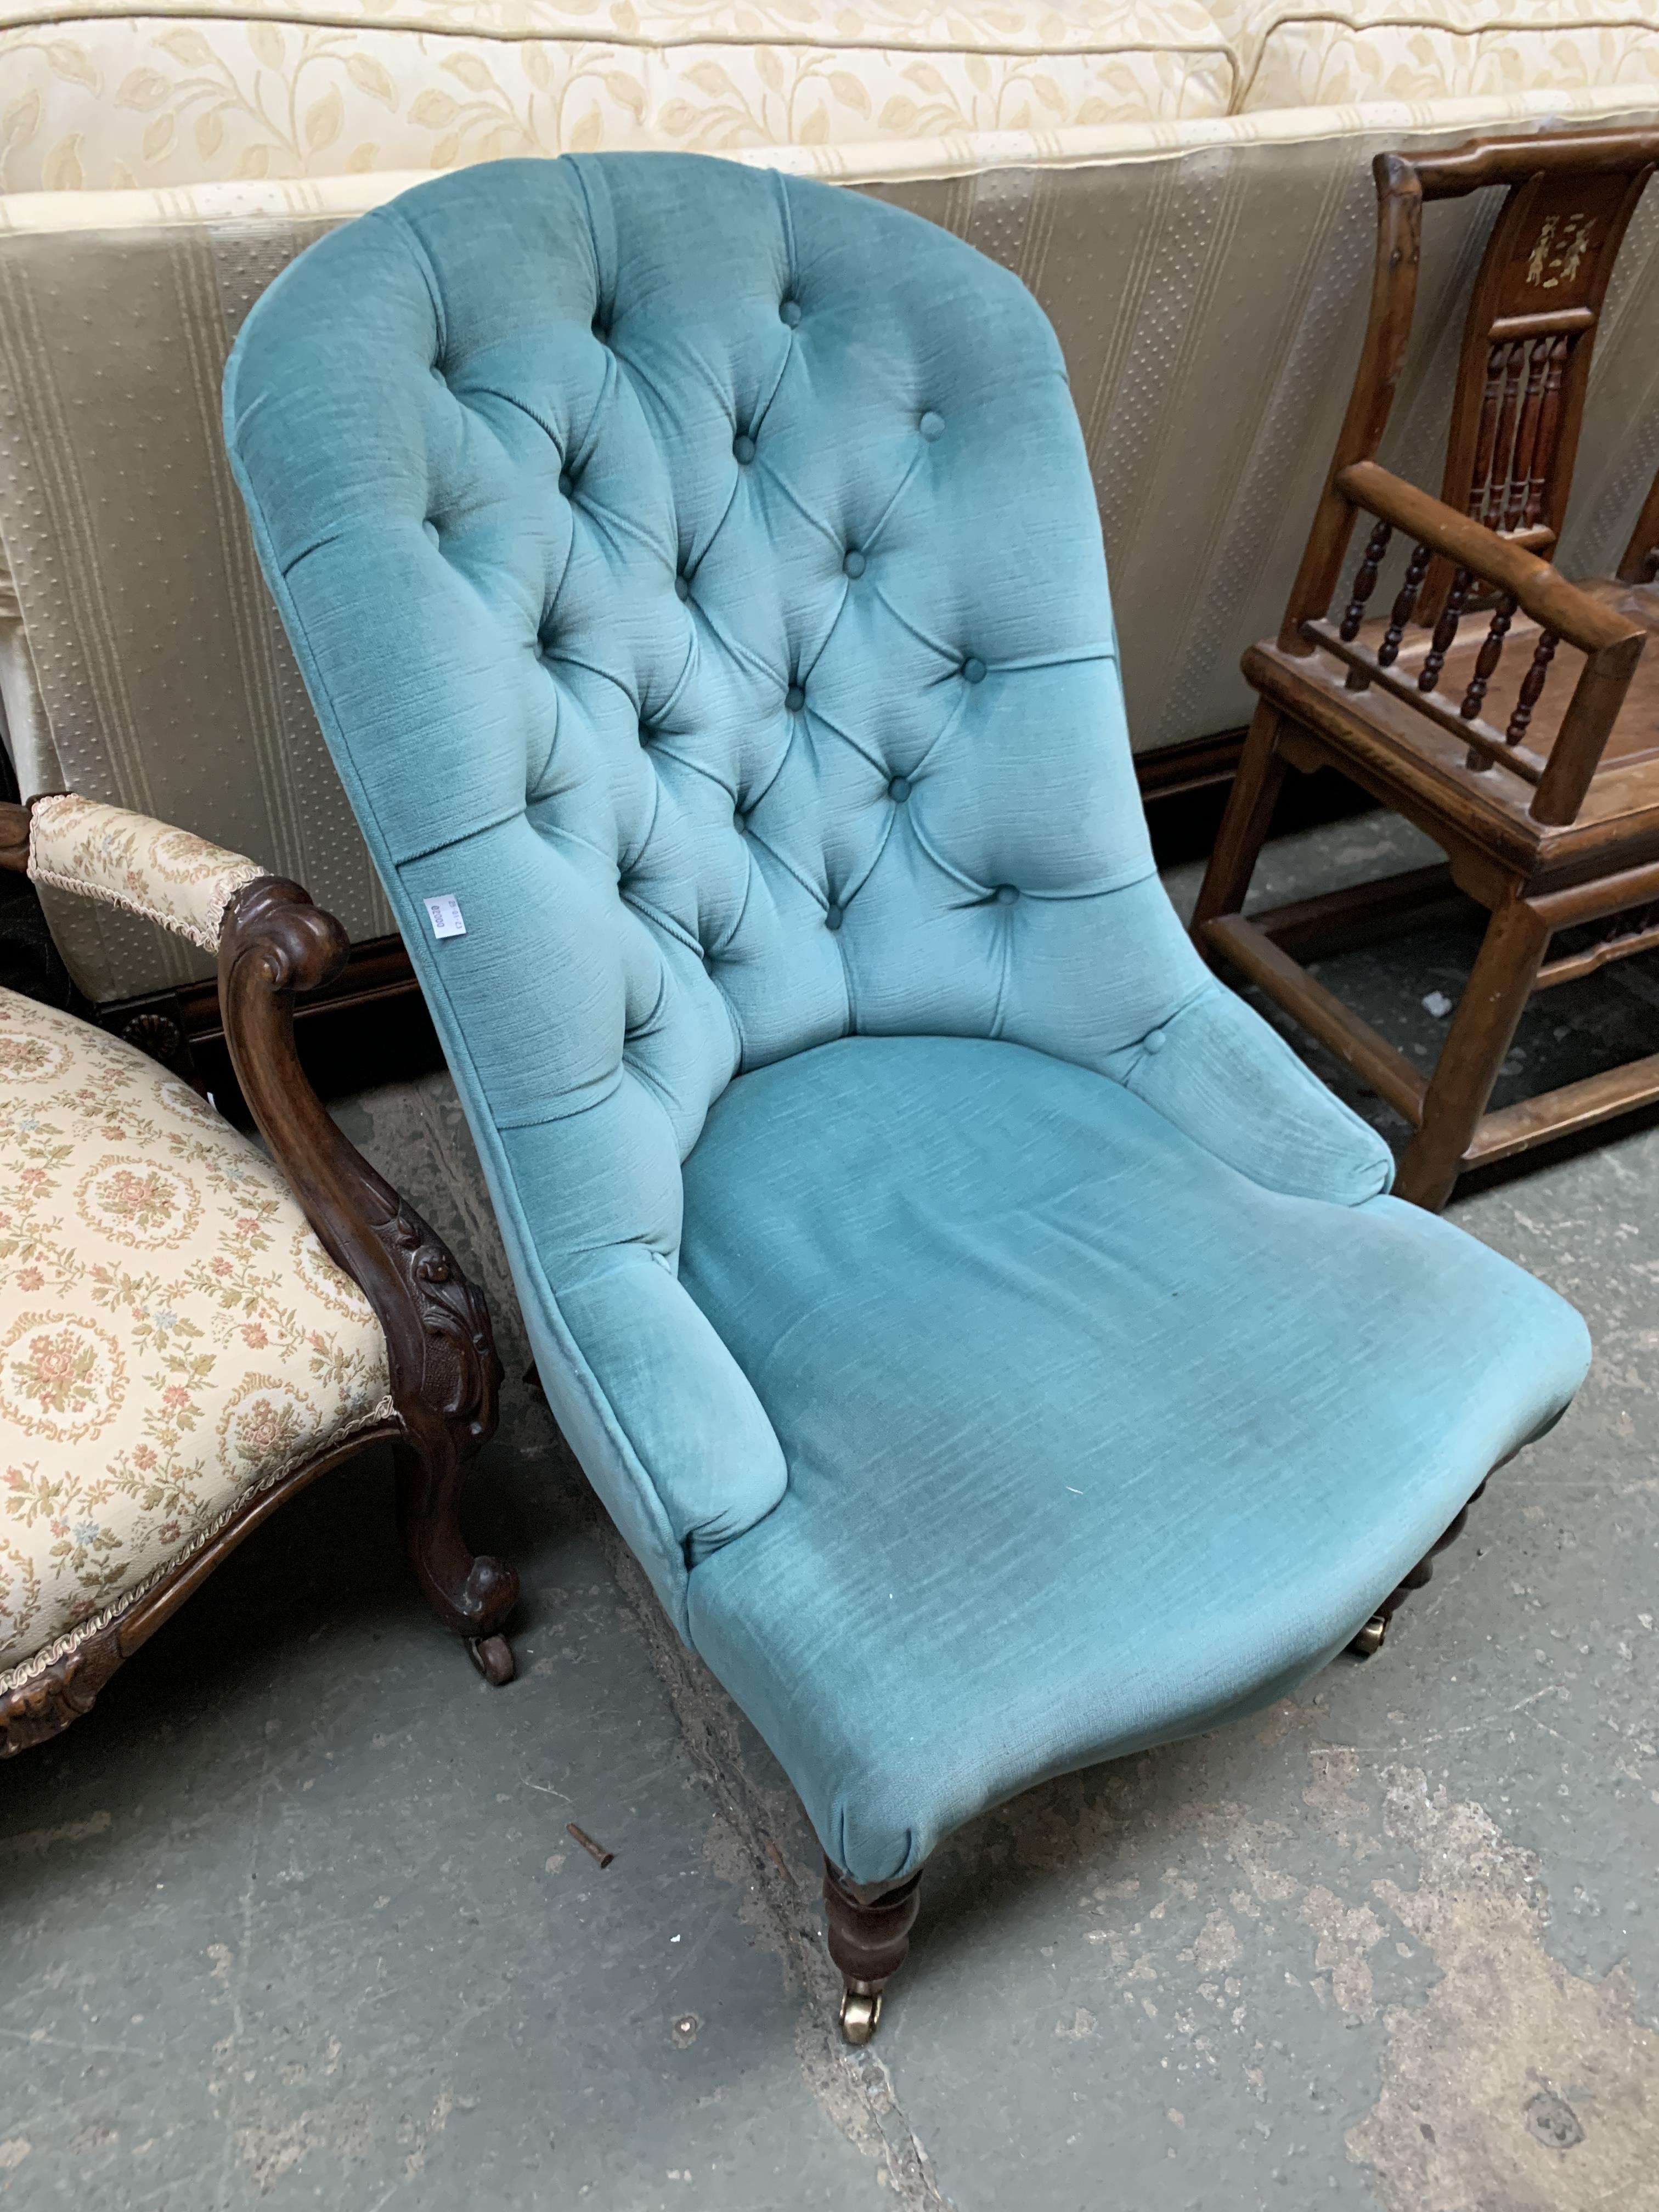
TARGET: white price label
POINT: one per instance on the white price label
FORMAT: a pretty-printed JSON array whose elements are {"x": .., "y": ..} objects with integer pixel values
[{"x": 444, "y": 913}]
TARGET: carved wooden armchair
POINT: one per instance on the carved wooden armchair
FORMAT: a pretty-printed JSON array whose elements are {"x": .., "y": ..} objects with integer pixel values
[
  {"x": 189, "y": 1333},
  {"x": 1506, "y": 712}
]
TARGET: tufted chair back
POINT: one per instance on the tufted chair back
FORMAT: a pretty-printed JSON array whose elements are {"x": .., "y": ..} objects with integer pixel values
[{"x": 698, "y": 576}]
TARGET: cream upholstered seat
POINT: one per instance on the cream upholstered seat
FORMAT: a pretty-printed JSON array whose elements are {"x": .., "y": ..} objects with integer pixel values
[{"x": 173, "y": 1337}]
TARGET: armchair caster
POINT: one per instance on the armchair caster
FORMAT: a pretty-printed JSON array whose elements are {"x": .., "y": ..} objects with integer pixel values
[
  {"x": 869, "y": 1928},
  {"x": 1369, "y": 1642},
  {"x": 493, "y": 1657},
  {"x": 860, "y": 2012}
]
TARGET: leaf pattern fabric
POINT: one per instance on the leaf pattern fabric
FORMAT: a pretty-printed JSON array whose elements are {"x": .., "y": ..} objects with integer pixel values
[
  {"x": 114, "y": 93},
  {"x": 173, "y": 1337},
  {"x": 1301, "y": 55},
  {"x": 120, "y": 95}
]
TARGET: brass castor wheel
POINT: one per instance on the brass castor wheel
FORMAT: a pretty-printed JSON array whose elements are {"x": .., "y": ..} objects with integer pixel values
[
  {"x": 861, "y": 2014},
  {"x": 1369, "y": 1642},
  {"x": 493, "y": 1657}
]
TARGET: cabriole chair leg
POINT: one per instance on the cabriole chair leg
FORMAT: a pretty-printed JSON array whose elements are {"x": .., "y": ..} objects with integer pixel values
[
  {"x": 444, "y": 1372},
  {"x": 470, "y": 1596},
  {"x": 869, "y": 1935}
]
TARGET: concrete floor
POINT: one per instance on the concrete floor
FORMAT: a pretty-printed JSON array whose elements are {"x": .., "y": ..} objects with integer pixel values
[{"x": 293, "y": 1916}]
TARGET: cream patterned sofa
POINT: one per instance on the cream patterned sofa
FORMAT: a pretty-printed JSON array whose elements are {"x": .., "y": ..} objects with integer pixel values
[
  {"x": 1185, "y": 186},
  {"x": 117, "y": 95}
]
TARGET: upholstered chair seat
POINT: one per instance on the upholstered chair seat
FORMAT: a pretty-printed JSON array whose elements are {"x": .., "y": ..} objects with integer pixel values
[
  {"x": 1093, "y": 1441},
  {"x": 997, "y": 1348},
  {"x": 173, "y": 1339}
]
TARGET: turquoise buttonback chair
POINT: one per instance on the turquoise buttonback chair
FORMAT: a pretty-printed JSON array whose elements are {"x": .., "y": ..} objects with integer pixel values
[{"x": 999, "y": 1351}]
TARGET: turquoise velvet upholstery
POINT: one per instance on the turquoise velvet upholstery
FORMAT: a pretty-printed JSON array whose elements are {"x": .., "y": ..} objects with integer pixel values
[
  {"x": 1092, "y": 1440},
  {"x": 697, "y": 576}
]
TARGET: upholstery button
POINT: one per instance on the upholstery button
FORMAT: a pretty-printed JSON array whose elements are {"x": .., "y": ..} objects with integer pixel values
[
  {"x": 681, "y": 589},
  {"x": 565, "y": 482},
  {"x": 931, "y": 426},
  {"x": 973, "y": 671},
  {"x": 1155, "y": 1041},
  {"x": 795, "y": 698},
  {"x": 1006, "y": 894},
  {"x": 740, "y": 821},
  {"x": 854, "y": 563},
  {"x": 789, "y": 312},
  {"x": 832, "y": 918},
  {"x": 601, "y": 333},
  {"x": 743, "y": 447},
  {"x": 899, "y": 789}
]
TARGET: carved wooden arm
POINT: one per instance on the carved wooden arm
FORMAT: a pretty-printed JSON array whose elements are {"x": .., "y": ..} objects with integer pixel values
[
  {"x": 272, "y": 943},
  {"x": 444, "y": 1372}
]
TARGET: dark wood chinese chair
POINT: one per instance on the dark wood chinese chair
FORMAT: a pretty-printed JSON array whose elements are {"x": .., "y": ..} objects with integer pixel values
[{"x": 1504, "y": 711}]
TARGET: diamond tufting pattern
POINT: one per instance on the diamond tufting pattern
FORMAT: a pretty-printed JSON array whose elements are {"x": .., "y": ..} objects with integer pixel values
[{"x": 699, "y": 578}]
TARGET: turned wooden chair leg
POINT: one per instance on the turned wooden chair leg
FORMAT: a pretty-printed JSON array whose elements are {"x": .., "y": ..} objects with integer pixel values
[
  {"x": 472, "y": 1596},
  {"x": 1369, "y": 1642},
  {"x": 869, "y": 1935},
  {"x": 1245, "y": 824},
  {"x": 1482, "y": 1029}
]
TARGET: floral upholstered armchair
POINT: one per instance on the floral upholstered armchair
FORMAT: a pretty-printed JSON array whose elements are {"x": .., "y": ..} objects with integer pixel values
[
  {"x": 190, "y": 1330},
  {"x": 999, "y": 1351}
]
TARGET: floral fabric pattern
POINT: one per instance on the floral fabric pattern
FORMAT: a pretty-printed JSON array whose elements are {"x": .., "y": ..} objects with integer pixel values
[
  {"x": 130, "y": 860},
  {"x": 116, "y": 94},
  {"x": 173, "y": 1337},
  {"x": 1298, "y": 55}
]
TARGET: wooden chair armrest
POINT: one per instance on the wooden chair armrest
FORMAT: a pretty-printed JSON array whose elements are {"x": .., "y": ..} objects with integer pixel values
[
  {"x": 1610, "y": 642},
  {"x": 1540, "y": 589},
  {"x": 14, "y": 837},
  {"x": 274, "y": 944}
]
